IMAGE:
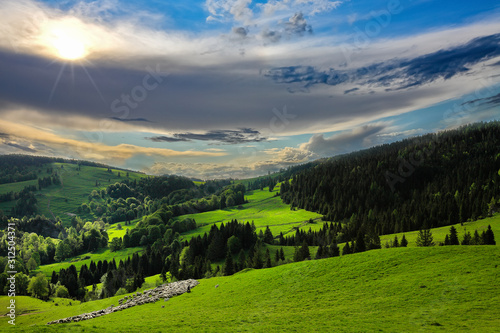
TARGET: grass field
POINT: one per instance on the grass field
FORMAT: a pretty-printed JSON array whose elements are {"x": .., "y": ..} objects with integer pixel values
[
  {"x": 436, "y": 289},
  {"x": 59, "y": 200},
  {"x": 79, "y": 261},
  {"x": 263, "y": 208},
  {"x": 113, "y": 232},
  {"x": 440, "y": 233}
]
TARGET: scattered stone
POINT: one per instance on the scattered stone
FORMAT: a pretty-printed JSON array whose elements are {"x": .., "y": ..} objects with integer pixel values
[{"x": 216, "y": 286}]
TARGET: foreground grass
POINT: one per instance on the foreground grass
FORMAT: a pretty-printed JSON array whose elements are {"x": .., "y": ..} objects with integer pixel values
[{"x": 453, "y": 289}]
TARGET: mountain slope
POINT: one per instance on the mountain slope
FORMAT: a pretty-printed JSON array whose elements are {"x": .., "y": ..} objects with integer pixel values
[{"x": 452, "y": 288}]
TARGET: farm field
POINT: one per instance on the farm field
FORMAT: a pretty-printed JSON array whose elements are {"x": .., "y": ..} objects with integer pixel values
[{"x": 390, "y": 290}]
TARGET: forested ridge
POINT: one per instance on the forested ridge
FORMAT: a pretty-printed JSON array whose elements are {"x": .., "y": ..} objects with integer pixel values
[{"x": 427, "y": 181}]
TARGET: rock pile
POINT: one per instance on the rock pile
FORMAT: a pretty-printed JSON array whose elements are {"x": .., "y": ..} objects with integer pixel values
[{"x": 148, "y": 296}]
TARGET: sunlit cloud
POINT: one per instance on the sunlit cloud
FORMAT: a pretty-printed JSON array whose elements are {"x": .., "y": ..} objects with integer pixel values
[{"x": 94, "y": 150}]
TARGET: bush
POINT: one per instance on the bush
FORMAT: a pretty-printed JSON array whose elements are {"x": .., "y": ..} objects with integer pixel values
[
  {"x": 62, "y": 292},
  {"x": 121, "y": 291}
]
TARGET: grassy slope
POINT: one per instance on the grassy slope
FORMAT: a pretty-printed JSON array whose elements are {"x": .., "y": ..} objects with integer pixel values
[
  {"x": 263, "y": 208},
  {"x": 440, "y": 233},
  {"x": 113, "y": 232},
  {"x": 79, "y": 261},
  {"x": 75, "y": 189},
  {"x": 453, "y": 289}
]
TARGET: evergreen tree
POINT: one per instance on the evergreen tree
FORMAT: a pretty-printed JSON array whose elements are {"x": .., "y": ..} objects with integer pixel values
[
  {"x": 304, "y": 250},
  {"x": 454, "y": 236},
  {"x": 489, "y": 237},
  {"x": 282, "y": 254},
  {"x": 277, "y": 256},
  {"x": 404, "y": 242},
  {"x": 267, "y": 259},
  {"x": 334, "y": 250},
  {"x": 395, "y": 243},
  {"x": 257, "y": 260},
  {"x": 477, "y": 240},
  {"x": 268, "y": 236},
  {"x": 424, "y": 238},
  {"x": 242, "y": 261},
  {"x": 319, "y": 253},
  {"x": 346, "y": 249},
  {"x": 228, "y": 264},
  {"x": 467, "y": 238},
  {"x": 297, "y": 255}
]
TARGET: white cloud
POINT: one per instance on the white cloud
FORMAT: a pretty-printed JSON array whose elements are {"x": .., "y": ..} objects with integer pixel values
[
  {"x": 344, "y": 142},
  {"x": 223, "y": 10}
]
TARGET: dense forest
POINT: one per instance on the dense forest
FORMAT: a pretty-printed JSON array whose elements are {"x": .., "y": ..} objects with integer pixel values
[{"x": 428, "y": 181}]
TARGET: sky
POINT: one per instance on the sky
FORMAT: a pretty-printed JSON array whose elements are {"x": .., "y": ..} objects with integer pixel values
[{"x": 239, "y": 88}]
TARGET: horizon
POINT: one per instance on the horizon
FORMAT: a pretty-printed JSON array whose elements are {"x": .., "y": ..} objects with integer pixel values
[{"x": 237, "y": 89}]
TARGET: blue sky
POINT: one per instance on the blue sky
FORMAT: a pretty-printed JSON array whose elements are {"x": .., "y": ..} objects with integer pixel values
[{"x": 237, "y": 88}]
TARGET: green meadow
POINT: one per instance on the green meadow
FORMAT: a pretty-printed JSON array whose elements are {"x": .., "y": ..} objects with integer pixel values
[
  {"x": 79, "y": 261},
  {"x": 435, "y": 289},
  {"x": 440, "y": 233},
  {"x": 76, "y": 185},
  {"x": 263, "y": 208},
  {"x": 113, "y": 232}
]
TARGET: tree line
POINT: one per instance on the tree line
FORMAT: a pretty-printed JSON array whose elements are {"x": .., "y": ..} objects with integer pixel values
[{"x": 456, "y": 183}]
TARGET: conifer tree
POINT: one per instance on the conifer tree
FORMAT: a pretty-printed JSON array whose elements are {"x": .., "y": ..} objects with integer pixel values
[
  {"x": 267, "y": 259},
  {"x": 346, "y": 249},
  {"x": 404, "y": 242},
  {"x": 228, "y": 264},
  {"x": 467, "y": 238},
  {"x": 454, "y": 236},
  {"x": 305, "y": 251},
  {"x": 489, "y": 237},
  {"x": 424, "y": 238},
  {"x": 395, "y": 243}
]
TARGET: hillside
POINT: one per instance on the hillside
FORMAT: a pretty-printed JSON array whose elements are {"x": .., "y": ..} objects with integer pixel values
[
  {"x": 424, "y": 182},
  {"x": 71, "y": 184},
  {"x": 454, "y": 289}
]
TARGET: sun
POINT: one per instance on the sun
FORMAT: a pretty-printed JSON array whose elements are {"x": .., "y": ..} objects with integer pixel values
[
  {"x": 69, "y": 48},
  {"x": 67, "y": 39}
]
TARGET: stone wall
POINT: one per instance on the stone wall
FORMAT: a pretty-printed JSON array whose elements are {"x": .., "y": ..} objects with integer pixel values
[{"x": 148, "y": 296}]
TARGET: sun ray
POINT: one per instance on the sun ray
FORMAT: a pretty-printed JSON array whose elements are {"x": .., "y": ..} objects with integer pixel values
[
  {"x": 93, "y": 83},
  {"x": 63, "y": 66}
]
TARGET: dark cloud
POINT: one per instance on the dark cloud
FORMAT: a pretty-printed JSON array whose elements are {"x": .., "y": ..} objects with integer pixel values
[
  {"x": 166, "y": 139},
  {"x": 271, "y": 36},
  {"x": 242, "y": 135},
  {"x": 495, "y": 99},
  {"x": 350, "y": 90},
  {"x": 129, "y": 120},
  {"x": 240, "y": 32},
  {"x": 4, "y": 136},
  {"x": 15, "y": 145},
  {"x": 398, "y": 74},
  {"x": 297, "y": 24}
]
